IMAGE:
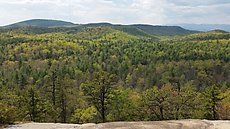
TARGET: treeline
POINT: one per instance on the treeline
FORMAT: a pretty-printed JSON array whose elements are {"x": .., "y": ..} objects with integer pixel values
[{"x": 101, "y": 74}]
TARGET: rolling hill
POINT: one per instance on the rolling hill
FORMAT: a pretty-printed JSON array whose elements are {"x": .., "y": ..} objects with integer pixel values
[
  {"x": 214, "y": 35},
  {"x": 138, "y": 29},
  {"x": 206, "y": 27},
  {"x": 41, "y": 23},
  {"x": 57, "y": 74},
  {"x": 148, "y": 29},
  {"x": 164, "y": 30}
]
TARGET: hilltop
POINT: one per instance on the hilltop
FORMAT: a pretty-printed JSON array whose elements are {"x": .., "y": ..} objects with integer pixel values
[
  {"x": 138, "y": 29},
  {"x": 206, "y": 27},
  {"x": 164, "y": 30},
  {"x": 40, "y": 23}
]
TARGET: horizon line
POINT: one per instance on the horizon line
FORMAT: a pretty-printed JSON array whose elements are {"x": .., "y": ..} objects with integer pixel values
[{"x": 107, "y": 22}]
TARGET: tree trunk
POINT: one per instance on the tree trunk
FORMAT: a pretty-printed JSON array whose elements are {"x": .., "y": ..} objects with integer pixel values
[
  {"x": 161, "y": 113},
  {"x": 63, "y": 108},
  {"x": 103, "y": 107}
]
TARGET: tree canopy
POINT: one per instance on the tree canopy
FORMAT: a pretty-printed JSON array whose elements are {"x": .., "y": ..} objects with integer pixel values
[{"x": 98, "y": 74}]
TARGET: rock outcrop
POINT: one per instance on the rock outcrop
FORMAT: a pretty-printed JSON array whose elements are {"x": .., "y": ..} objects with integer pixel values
[{"x": 180, "y": 124}]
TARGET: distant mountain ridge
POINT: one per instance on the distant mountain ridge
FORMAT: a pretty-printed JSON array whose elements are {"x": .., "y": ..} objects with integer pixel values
[
  {"x": 41, "y": 23},
  {"x": 155, "y": 30},
  {"x": 136, "y": 29},
  {"x": 206, "y": 27},
  {"x": 164, "y": 30}
]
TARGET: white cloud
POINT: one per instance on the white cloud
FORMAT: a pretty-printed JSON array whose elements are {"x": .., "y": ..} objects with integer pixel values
[
  {"x": 116, "y": 11},
  {"x": 198, "y": 2},
  {"x": 214, "y": 14}
]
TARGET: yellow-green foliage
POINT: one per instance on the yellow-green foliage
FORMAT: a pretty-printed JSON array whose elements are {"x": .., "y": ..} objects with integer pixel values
[
  {"x": 61, "y": 64},
  {"x": 86, "y": 115}
]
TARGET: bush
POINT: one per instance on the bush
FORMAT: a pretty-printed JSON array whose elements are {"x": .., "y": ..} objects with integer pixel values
[
  {"x": 7, "y": 114},
  {"x": 84, "y": 115}
]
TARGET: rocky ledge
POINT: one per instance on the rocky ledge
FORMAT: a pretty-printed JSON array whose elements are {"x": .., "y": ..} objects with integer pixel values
[{"x": 172, "y": 124}]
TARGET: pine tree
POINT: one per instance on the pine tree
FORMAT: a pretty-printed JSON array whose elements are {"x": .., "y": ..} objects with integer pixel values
[{"x": 212, "y": 99}]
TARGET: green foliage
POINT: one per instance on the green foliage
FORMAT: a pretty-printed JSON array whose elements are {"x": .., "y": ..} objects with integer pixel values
[
  {"x": 8, "y": 102},
  {"x": 213, "y": 98},
  {"x": 224, "y": 106},
  {"x": 41, "y": 23},
  {"x": 85, "y": 115},
  {"x": 123, "y": 106},
  {"x": 133, "y": 31},
  {"x": 184, "y": 102},
  {"x": 36, "y": 108},
  {"x": 99, "y": 91},
  {"x": 7, "y": 113},
  {"x": 164, "y": 30},
  {"x": 94, "y": 74},
  {"x": 158, "y": 102}
]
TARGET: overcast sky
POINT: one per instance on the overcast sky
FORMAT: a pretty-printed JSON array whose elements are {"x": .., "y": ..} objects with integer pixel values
[{"x": 117, "y": 11}]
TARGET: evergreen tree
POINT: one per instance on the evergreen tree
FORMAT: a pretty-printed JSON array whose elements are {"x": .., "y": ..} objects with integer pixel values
[{"x": 213, "y": 98}]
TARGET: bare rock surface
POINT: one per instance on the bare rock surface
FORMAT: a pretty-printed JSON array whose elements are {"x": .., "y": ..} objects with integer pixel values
[{"x": 180, "y": 124}]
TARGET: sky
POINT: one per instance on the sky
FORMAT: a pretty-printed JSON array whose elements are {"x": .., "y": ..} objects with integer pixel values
[{"x": 156, "y": 12}]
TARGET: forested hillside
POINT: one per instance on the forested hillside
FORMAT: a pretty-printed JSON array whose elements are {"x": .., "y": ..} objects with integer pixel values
[
  {"x": 138, "y": 29},
  {"x": 99, "y": 74},
  {"x": 164, "y": 30},
  {"x": 41, "y": 23}
]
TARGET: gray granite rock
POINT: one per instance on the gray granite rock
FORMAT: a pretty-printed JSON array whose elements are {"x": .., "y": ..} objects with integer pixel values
[{"x": 173, "y": 124}]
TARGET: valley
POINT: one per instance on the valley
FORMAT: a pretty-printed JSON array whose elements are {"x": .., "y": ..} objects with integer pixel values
[{"x": 99, "y": 72}]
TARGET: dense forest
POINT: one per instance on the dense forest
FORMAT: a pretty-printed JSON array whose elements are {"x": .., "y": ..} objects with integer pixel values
[{"x": 105, "y": 73}]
